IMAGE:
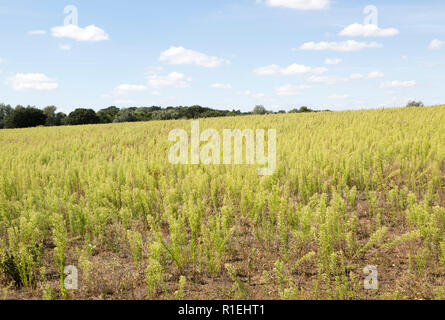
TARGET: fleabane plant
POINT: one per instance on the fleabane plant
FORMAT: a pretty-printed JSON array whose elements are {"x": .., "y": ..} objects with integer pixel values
[{"x": 248, "y": 147}]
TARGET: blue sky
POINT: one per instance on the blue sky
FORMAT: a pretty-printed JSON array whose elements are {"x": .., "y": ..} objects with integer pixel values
[{"x": 223, "y": 54}]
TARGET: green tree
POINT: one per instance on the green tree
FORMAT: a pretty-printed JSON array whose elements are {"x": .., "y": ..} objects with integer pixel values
[
  {"x": 50, "y": 114},
  {"x": 60, "y": 118},
  {"x": 108, "y": 115},
  {"x": 415, "y": 104},
  {"x": 259, "y": 110},
  {"x": 25, "y": 118},
  {"x": 5, "y": 111},
  {"x": 303, "y": 109},
  {"x": 144, "y": 114},
  {"x": 126, "y": 115},
  {"x": 82, "y": 116}
]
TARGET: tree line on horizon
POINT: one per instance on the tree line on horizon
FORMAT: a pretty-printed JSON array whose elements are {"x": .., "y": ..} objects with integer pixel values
[{"x": 30, "y": 116}]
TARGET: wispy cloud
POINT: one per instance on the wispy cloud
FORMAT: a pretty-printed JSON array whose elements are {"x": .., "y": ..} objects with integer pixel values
[
  {"x": 435, "y": 44},
  {"x": 65, "y": 47},
  {"x": 327, "y": 79},
  {"x": 87, "y": 34},
  {"x": 356, "y": 76},
  {"x": 332, "y": 61},
  {"x": 32, "y": 81},
  {"x": 173, "y": 79},
  {"x": 251, "y": 94},
  {"x": 339, "y": 96},
  {"x": 299, "y": 4},
  {"x": 376, "y": 75},
  {"x": 371, "y": 75},
  {"x": 345, "y": 46},
  {"x": 180, "y": 55},
  {"x": 369, "y": 30},
  {"x": 398, "y": 84},
  {"x": 293, "y": 69},
  {"x": 291, "y": 90},
  {"x": 221, "y": 86},
  {"x": 123, "y": 89},
  {"x": 36, "y": 32}
]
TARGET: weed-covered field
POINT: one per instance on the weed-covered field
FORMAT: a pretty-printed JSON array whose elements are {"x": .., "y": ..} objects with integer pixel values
[{"x": 351, "y": 190}]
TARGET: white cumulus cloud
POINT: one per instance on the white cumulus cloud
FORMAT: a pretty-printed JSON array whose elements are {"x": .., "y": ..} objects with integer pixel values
[
  {"x": 174, "y": 79},
  {"x": 345, "y": 46},
  {"x": 180, "y": 55},
  {"x": 32, "y": 81},
  {"x": 369, "y": 30},
  {"x": 87, "y": 34},
  {"x": 398, "y": 84},
  {"x": 293, "y": 69},
  {"x": 300, "y": 4},
  {"x": 435, "y": 44}
]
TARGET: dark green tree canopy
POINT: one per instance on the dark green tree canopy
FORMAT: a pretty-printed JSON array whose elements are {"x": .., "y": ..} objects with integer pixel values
[
  {"x": 5, "y": 111},
  {"x": 51, "y": 118},
  {"x": 259, "y": 110},
  {"x": 22, "y": 117},
  {"x": 82, "y": 116},
  {"x": 27, "y": 117},
  {"x": 303, "y": 109},
  {"x": 415, "y": 104},
  {"x": 108, "y": 115},
  {"x": 126, "y": 115}
]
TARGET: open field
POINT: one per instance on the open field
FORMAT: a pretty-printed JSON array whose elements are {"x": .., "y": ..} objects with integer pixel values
[{"x": 351, "y": 189}]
